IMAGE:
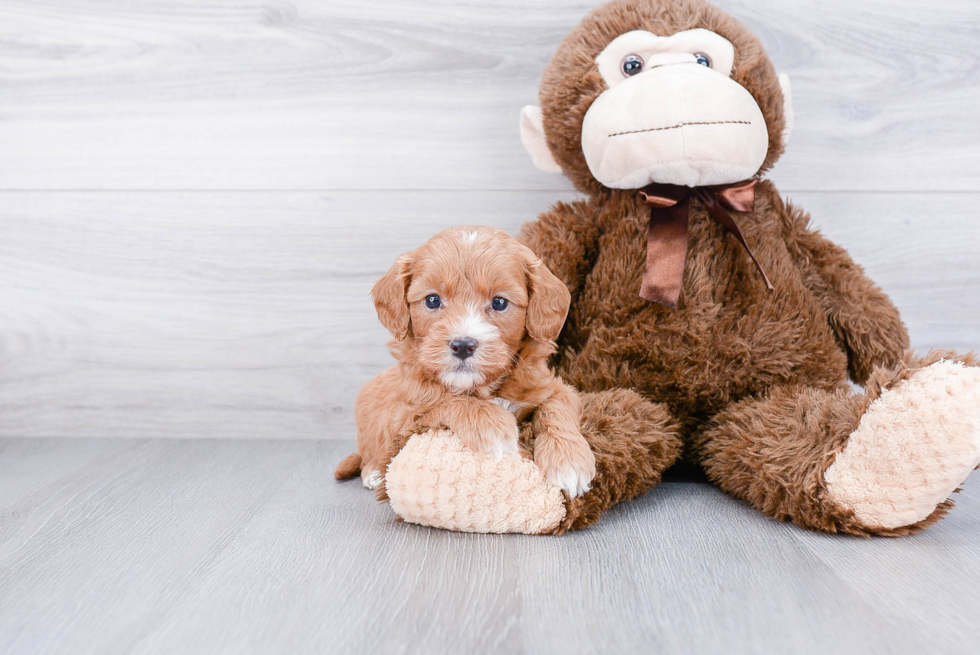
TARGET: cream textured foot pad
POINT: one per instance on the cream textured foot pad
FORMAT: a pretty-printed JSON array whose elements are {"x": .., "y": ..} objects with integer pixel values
[
  {"x": 436, "y": 481},
  {"x": 915, "y": 445}
]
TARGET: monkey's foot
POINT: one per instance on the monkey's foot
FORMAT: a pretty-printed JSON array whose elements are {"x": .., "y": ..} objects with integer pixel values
[
  {"x": 914, "y": 446},
  {"x": 436, "y": 481}
]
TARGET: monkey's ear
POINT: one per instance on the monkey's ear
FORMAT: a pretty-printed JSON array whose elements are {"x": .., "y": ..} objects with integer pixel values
[
  {"x": 532, "y": 136},
  {"x": 389, "y": 296},
  {"x": 788, "y": 116},
  {"x": 548, "y": 301}
]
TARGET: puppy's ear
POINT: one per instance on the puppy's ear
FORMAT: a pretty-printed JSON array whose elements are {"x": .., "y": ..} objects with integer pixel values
[
  {"x": 389, "y": 296},
  {"x": 548, "y": 301}
]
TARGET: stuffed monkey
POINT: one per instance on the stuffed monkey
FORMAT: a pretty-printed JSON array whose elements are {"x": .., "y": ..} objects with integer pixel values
[{"x": 708, "y": 320}]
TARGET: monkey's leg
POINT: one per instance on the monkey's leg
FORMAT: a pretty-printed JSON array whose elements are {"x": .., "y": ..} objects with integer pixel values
[
  {"x": 883, "y": 463},
  {"x": 431, "y": 479},
  {"x": 634, "y": 442}
]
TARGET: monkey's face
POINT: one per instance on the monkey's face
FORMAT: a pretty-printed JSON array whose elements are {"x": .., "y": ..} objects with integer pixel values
[
  {"x": 672, "y": 114},
  {"x": 667, "y": 91}
]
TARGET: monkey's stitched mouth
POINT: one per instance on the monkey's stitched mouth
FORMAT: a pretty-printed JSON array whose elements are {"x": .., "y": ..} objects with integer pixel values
[{"x": 674, "y": 127}]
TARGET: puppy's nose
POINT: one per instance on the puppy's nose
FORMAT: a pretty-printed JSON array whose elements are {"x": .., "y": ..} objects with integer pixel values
[{"x": 463, "y": 348}]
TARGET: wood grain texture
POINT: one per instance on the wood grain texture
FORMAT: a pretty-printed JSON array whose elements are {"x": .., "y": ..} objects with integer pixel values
[
  {"x": 425, "y": 94},
  {"x": 248, "y": 314},
  {"x": 205, "y": 314},
  {"x": 164, "y": 546}
]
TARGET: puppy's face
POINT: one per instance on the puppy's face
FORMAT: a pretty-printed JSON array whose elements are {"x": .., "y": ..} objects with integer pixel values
[{"x": 466, "y": 301}]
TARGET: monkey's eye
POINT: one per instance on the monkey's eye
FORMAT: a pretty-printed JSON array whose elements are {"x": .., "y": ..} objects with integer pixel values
[
  {"x": 702, "y": 59},
  {"x": 433, "y": 301},
  {"x": 500, "y": 304},
  {"x": 632, "y": 65}
]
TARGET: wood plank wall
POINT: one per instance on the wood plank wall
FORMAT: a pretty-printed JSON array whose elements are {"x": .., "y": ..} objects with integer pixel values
[{"x": 195, "y": 198}]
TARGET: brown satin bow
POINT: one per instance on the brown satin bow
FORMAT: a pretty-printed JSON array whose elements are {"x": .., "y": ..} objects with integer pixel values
[{"x": 667, "y": 237}]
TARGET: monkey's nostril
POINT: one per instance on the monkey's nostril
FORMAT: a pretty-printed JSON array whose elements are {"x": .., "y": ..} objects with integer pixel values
[{"x": 463, "y": 348}]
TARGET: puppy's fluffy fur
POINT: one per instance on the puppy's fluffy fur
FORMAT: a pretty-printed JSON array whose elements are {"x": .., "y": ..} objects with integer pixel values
[{"x": 506, "y": 380}]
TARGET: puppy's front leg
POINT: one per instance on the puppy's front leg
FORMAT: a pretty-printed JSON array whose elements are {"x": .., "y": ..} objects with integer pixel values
[
  {"x": 482, "y": 426},
  {"x": 560, "y": 450}
]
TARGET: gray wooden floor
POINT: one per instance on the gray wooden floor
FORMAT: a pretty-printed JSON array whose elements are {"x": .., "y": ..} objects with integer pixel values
[
  {"x": 195, "y": 199},
  {"x": 172, "y": 546}
]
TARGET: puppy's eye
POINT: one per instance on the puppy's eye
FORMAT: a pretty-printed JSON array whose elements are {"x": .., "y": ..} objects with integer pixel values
[
  {"x": 702, "y": 59},
  {"x": 500, "y": 304},
  {"x": 433, "y": 301},
  {"x": 632, "y": 64}
]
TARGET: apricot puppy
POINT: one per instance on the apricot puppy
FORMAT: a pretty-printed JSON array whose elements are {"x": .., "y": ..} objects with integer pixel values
[{"x": 474, "y": 315}]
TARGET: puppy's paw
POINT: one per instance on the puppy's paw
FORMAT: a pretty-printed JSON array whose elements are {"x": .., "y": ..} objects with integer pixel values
[
  {"x": 492, "y": 430},
  {"x": 566, "y": 461},
  {"x": 370, "y": 479},
  {"x": 576, "y": 483},
  {"x": 506, "y": 446}
]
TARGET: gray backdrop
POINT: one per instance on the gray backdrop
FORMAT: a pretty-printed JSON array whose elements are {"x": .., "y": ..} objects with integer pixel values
[{"x": 195, "y": 198}]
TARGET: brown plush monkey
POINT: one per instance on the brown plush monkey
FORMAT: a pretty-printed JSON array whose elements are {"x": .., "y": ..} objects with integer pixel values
[{"x": 708, "y": 320}]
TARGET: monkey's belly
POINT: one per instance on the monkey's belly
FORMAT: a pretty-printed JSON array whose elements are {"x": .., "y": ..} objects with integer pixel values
[{"x": 706, "y": 354}]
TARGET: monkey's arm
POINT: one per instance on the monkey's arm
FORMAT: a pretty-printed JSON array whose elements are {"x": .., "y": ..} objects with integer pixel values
[
  {"x": 566, "y": 238},
  {"x": 863, "y": 318}
]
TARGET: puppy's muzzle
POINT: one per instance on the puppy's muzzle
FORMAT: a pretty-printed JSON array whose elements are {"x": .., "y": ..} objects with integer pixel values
[{"x": 463, "y": 348}]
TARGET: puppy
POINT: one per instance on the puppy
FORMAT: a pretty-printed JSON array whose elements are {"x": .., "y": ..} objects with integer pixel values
[{"x": 474, "y": 315}]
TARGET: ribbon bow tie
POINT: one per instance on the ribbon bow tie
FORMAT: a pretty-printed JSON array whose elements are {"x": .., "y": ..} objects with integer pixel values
[{"x": 667, "y": 237}]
